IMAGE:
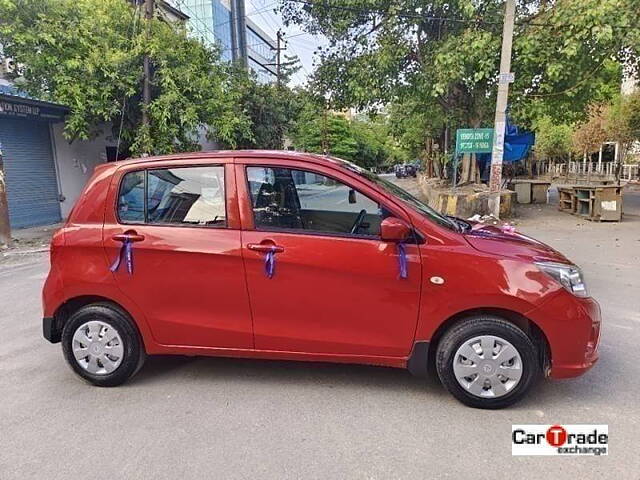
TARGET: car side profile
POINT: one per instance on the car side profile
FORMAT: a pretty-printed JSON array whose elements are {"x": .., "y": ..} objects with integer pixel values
[{"x": 295, "y": 256}]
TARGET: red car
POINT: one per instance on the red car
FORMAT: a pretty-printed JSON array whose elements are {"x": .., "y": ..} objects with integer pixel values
[{"x": 295, "y": 256}]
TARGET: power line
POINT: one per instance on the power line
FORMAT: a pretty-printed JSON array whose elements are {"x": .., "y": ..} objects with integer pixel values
[
  {"x": 276, "y": 31},
  {"x": 264, "y": 9},
  {"x": 420, "y": 16}
]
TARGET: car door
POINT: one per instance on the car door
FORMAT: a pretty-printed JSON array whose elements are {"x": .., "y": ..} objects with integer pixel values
[
  {"x": 326, "y": 288},
  {"x": 187, "y": 271}
]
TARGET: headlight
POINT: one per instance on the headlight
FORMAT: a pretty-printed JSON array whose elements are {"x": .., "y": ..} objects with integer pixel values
[{"x": 569, "y": 276}]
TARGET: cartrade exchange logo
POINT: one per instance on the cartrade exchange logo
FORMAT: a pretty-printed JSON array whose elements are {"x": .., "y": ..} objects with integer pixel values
[{"x": 560, "y": 440}]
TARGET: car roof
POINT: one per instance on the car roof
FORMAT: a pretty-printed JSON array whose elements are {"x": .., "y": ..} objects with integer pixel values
[{"x": 283, "y": 154}]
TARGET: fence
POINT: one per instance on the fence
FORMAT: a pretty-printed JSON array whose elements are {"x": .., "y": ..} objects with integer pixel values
[{"x": 604, "y": 169}]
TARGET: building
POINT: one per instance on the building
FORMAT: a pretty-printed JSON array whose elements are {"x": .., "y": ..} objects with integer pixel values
[
  {"x": 213, "y": 21},
  {"x": 45, "y": 172}
]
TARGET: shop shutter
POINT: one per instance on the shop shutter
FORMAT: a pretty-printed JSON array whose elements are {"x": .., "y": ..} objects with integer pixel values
[{"x": 32, "y": 189}]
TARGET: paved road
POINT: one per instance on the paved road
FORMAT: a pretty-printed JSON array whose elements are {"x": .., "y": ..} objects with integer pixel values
[{"x": 241, "y": 419}]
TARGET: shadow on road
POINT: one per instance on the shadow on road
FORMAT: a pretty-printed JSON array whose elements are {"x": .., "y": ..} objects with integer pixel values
[{"x": 217, "y": 369}]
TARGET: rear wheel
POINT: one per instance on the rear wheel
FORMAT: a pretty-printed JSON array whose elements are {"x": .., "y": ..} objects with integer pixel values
[
  {"x": 102, "y": 345},
  {"x": 487, "y": 362}
]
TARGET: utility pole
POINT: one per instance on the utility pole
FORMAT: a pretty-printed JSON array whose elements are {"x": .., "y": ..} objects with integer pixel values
[
  {"x": 146, "y": 82},
  {"x": 278, "y": 60},
  {"x": 495, "y": 181},
  {"x": 5, "y": 227},
  {"x": 325, "y": 140},
  {"x": 239, "y": 32}
]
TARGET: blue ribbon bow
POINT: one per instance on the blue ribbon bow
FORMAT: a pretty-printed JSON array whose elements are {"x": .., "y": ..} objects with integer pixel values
[
  {"x": 402, "y": 260},
  {"x": 126, "y": 252}
]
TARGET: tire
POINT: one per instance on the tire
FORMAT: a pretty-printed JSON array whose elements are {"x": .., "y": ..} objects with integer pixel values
[
  {"x": 114, "y": 361},
  {"x": 491, "y": 383}
]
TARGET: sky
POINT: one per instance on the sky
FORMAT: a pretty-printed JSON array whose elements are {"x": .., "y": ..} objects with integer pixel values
[{"x": 300, "y": 44}]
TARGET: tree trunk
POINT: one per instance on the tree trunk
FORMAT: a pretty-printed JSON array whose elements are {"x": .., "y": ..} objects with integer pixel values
[
  {"x": 466, "y": 169},
  {"x": 5, "y": 228}
]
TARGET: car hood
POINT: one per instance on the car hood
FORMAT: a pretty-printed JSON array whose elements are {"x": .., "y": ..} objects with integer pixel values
[{"x": 507, "y": 242}]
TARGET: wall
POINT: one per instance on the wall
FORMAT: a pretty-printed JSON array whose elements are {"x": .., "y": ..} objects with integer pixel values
[
  {"x": 75, "y": 163},
  {"x": 465, "y": 201}
]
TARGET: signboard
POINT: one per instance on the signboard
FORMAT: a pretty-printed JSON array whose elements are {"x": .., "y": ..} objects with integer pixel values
[
  {"x": 474, "y": 140},
  {"x": 506, "y": 78},
  {"x": 30, "y": 110}
]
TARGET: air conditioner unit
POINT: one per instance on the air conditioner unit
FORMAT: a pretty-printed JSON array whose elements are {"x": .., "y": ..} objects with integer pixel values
[{"x": 7, "y": 66}]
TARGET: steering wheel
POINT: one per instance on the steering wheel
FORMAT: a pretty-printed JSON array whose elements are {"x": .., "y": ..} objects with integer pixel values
[{"x": 356, "y": 225}]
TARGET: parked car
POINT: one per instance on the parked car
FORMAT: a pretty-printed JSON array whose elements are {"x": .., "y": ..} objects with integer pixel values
[
  {"x": 296, "y": 256},
  {"x": 405, "y": 170}
]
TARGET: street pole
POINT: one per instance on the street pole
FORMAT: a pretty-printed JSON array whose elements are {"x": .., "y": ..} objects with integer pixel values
[
  {"x": 5, "y": 227},
  {"x": 146, "y": 82},
  {"x": 495, "y": 181},
  {"x": 278, "y": 49},
  {"x": 239, "y": 27}
]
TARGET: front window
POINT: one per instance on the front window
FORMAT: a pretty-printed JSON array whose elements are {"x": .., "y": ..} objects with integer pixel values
[
  {"x": 291, "y": 199},
  {"x": 400, "y": 193}
]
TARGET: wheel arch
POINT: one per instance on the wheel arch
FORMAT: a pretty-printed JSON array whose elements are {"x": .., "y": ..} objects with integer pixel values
[
  {"x": 528, "y": 326},
  {"x": 72, "y": 305}
]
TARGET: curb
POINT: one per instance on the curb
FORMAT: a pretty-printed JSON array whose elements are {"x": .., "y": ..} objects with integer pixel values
[{"x": 11, "y": 253}]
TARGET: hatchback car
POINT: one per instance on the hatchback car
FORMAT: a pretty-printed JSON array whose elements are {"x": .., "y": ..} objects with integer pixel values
[{"x": 295, "y": 256}]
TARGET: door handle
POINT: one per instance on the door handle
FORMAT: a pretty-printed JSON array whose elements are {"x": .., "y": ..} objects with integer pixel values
[
  {"x": 265, "y": 247},
  {"x": 131, "y": 237}
]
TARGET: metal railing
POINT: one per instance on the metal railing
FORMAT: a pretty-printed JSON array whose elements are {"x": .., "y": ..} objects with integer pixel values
[{"x": 629, "y": 172}]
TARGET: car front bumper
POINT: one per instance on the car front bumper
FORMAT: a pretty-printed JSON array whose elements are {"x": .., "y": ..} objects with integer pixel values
[{"x": 572, "y": 328}]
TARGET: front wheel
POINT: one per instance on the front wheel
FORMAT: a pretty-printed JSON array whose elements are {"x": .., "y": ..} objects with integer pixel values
[
  {"x": 102, "y": 345},
  {"x": 487, "y": 362}
]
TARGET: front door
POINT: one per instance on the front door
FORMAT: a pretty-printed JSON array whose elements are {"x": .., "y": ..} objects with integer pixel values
[
  {"x": 330, "y": 285},
  {"x": 187, "y": 271}
]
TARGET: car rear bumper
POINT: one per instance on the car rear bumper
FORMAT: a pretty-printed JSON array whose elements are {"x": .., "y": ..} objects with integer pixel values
[{"x": 572, "y": 328}]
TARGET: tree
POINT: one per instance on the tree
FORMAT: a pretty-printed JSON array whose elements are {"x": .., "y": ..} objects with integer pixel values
[
  {"x": 553, "y": 140},
  {"x": 87, "y": 54},
  {"x": 623, "y": 122},
  {"x": 365, "y": 141},
  {"x": 589, "y": 135},
  {"x": 271, "y": 109},
  {"x": 442, "y": 58}
]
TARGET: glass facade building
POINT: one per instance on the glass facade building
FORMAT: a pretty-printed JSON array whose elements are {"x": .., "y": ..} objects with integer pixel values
[{"x": 211, "y": 21}]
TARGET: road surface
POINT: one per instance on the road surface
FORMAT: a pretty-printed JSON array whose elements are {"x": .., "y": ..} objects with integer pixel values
[{"x": 244, "y": 419}]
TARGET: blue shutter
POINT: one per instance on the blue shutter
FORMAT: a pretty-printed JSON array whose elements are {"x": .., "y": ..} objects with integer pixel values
[{"x": 30, "y": 175}]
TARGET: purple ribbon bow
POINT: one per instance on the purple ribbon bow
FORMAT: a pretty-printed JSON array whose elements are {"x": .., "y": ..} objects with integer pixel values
[
  {"x": 402, "y": 260},
  {"x": 270, "y": 263},
  {"x": 126, "y": 252}
]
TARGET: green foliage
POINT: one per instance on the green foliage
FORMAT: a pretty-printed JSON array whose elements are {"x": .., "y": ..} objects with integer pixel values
[
  {"x": 622, "y": 121},
  {"x": 553, "y": 141},
  {"x": 271, "y": 110},
  {"x": 87, "y": 54},
  {"x": 399, "y": 53},
  {"x": 366, "y": 142}
]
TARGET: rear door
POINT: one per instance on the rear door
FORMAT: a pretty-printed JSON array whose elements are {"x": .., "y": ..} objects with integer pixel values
[
  {"x": 331, "y": 286},
  {"x": 187, "y": 270}
]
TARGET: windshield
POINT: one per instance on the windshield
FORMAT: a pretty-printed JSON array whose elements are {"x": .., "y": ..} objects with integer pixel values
[{"x": 401, "y": 193}]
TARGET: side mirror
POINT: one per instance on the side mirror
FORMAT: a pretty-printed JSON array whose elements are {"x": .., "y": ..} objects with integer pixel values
[
  {"x": 392, "y": 229},
  {"x": 352, "y": 196}
]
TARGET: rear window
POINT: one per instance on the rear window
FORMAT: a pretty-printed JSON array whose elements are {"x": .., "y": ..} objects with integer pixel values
[{"x": 174, "y": 196}]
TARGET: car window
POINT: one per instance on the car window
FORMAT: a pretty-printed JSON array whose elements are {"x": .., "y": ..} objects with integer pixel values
[
  {"x": 131, "y": 198},
  {"x": 284, "y": 198},
  {"x": 182, "y": 196}
]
